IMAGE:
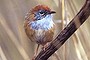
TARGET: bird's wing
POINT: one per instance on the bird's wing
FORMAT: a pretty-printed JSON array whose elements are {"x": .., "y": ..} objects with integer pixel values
[{"x": 29, "y": 32}]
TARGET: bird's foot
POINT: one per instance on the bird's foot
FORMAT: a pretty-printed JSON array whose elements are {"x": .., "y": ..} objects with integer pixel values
[{"x": 45, "y": 46}]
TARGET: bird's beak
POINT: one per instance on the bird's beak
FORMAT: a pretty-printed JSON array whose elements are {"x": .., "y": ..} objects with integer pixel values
[{"x": 52, "y": 12}]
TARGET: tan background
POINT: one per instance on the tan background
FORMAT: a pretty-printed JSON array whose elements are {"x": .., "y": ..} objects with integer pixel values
[{"x": 14, "y": 44}]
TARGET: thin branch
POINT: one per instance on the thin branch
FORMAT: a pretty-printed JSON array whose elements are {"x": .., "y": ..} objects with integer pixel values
[{"x": 76, "y": 22}]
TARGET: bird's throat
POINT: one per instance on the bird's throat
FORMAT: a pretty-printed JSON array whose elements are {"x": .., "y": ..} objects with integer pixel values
[{"x": 43, "y": 24}]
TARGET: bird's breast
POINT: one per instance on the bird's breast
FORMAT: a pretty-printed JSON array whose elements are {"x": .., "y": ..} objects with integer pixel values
[
  {"x": 43, "y": 36},
  {"x": 40, "y": 31}
]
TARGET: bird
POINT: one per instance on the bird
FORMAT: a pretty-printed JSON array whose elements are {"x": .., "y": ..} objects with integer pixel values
[{"x": 39, "y": 25}]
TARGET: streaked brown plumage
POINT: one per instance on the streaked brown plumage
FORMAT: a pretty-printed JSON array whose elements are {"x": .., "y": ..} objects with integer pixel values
[
  {"x": 47, "y": 36},
  {"x": 39, "y": 34}
]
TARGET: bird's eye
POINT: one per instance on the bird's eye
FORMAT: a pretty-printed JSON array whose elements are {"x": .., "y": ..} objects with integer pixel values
[{"x": 41, "y": 13}]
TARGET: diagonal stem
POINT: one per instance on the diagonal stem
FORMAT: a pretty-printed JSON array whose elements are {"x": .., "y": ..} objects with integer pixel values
[{"x": 76, "y": 22}]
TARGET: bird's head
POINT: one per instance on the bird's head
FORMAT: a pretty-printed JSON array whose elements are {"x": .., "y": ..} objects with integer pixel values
[{"x": 39, "y": 12}]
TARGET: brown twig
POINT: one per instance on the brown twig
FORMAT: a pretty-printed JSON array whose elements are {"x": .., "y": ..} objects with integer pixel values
[{"x": 76, "y": 22}]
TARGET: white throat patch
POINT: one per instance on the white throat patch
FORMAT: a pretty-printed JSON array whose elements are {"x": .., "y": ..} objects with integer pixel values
[{"x": 43, "y": 24}]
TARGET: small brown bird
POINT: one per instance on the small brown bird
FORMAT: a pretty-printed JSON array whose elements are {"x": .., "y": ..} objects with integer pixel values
[{"x": 39, "y": 25}]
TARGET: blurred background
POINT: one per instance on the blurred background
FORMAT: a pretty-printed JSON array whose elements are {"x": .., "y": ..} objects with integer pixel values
[{"x": 15, "y": 45}]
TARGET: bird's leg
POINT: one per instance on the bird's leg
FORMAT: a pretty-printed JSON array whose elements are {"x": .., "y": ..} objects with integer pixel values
[
  {"x": 35, "y": 53},
  {"x": 45, "y": 46},
  {"x": 36, "y": 50}
]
